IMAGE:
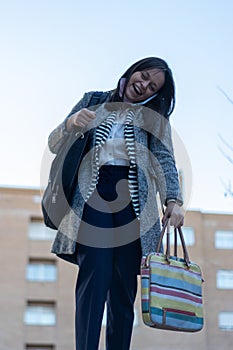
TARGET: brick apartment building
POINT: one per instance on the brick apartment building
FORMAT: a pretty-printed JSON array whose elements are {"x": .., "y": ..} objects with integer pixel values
[{"x": 37, "y": 289}]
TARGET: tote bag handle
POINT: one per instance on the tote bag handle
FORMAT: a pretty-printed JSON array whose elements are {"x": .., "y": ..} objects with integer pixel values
[{"x": 166, "y": 229}]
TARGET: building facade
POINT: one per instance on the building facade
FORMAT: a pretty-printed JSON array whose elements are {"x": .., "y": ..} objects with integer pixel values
[{"x": 37, "y": 289}]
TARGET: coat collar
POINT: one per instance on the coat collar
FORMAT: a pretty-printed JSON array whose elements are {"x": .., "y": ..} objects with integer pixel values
[{"x": 144, "y": 117}]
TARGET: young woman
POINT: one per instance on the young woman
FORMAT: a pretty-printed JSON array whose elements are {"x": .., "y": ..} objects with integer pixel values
[{"x": 113, "y": 217}]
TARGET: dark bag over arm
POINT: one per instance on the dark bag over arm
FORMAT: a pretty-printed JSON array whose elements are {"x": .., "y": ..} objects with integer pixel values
[
  {"x": 62, "y": 179},
  {"x": 63, "y": 174}
]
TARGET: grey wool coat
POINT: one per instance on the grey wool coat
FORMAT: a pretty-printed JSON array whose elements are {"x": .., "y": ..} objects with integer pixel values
[{"x": 156, "y": 172}]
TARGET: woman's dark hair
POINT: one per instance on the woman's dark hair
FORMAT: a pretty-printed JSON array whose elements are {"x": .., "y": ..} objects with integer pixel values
[{"x": 164, "y": 101}]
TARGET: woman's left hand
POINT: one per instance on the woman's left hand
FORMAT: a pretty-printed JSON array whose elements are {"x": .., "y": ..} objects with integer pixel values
[{"x": 175, "y": 213}]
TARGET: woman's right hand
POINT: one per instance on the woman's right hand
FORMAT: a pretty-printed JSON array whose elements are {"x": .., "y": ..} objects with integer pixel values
[{"x": 80, "y": 119}]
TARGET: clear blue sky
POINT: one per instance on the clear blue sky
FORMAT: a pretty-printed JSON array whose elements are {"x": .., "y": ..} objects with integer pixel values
[{"x": 54, "y": 51}]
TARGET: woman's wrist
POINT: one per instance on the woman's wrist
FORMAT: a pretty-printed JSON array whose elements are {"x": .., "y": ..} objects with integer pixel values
[
  {"x": 173, "y": 200},
  {"x": 69, "y": 124}
]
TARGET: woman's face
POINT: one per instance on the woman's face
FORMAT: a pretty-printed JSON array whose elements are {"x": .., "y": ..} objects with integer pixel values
[{"x": 144, "y": 84}]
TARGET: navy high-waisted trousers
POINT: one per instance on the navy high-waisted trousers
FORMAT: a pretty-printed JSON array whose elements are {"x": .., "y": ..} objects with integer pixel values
[{"x": 107, "y": 269}]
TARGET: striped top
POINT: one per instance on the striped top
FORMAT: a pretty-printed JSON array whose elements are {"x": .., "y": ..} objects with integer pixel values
[{"x": 102, "y": 134}]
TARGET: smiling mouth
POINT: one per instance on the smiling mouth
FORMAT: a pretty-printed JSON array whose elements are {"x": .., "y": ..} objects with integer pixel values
[{"x": 137, "y": 90}]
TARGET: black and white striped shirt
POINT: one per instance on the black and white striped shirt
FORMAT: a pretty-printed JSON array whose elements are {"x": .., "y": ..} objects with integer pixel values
[{"x": 102, "y": 135}]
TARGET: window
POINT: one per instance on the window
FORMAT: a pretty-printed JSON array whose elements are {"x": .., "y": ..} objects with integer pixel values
[
  {"x": 41, "y": 270},
  {"x": 40, "y": 314},
  {"x": 225, "y": 321},
  {"x": 39, "y": 347},
  {"x": 225, "y": 279},
  {"x": 188, "y": 233},
  {"x": 37, "y": 199},
  {"x": 38, "y": 231},
  {"x": 224, "y": 239}
]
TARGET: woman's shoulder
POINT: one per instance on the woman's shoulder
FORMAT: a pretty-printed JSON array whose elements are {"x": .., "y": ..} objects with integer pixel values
[{"x": 96, "y": 97}]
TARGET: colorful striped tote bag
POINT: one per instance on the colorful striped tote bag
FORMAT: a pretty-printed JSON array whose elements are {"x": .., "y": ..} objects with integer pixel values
[{"x": 171, "y": 289}]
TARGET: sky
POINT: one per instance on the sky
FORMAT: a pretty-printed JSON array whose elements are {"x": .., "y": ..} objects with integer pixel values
[{"x": 52, "y": 52}]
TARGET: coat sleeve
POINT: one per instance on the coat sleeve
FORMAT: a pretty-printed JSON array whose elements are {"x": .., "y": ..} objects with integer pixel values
[
  {"x": 59, "y": 135},
  {"x": 165, "y": 166}
]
